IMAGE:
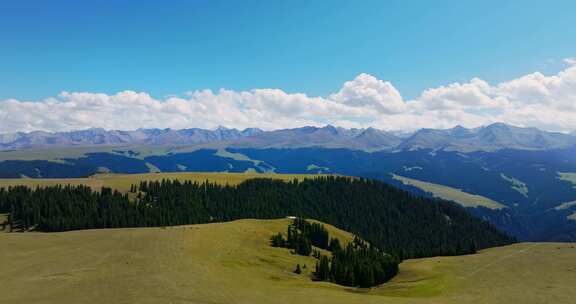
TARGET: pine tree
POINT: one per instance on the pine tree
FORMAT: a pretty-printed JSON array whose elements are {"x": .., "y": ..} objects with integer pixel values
[
  {"x": 277, "y": 240},
  {"x": 298, "y": 270},
  {"x": 322, "y": 269},
  {"x": 334, "y": 245}
]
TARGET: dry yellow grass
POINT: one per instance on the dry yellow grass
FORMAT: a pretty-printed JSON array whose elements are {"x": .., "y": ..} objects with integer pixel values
[
  {"x": 122, "y": 182},
  {"x": 233, "y": 263}
]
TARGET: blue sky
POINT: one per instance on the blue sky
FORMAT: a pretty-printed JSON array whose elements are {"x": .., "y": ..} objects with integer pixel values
[
  {"x": 170, "y": 47},
  {"x": 393, "y": 65}
]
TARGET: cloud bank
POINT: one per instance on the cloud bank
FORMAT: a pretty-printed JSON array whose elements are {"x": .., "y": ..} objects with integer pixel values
[{"x": 535, "y": 100}]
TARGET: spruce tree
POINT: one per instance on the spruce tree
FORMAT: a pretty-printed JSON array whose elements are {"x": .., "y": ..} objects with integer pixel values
[{"x": 298, "y": 270}]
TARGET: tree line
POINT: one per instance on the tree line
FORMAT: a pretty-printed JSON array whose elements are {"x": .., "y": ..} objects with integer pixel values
[
  {"x": 358, "y": 264},
  {"x": 392, "y": 220},
  {"x": 301, "y": 235}
]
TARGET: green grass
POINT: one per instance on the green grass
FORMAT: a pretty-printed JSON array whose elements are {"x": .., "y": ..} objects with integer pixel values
[
  {"x": 152, "y": 168},
  {"x": 241, "y": 157},
  {"x": 565, "y": 206},
  {"x": 122, "y": 182},
  {"x": 317, "y": 168},
  {"x": 233, "y": 263},
  {"x": 569, "y": 177},
  {"x": 57, "y": 154},
  {"x": 448, "y": 193},
  {"x": 517, "y": 185}
]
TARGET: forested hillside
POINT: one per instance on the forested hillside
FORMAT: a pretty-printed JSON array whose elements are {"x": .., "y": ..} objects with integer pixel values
[
  {"x": 355, "y": 263},
  {"x": 529, "y": 183},
  {"x": 390, "y": 219}
]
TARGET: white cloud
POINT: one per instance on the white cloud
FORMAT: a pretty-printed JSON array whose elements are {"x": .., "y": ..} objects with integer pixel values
[
  {"x": 472, "y": 95},
  {"x": 535, "y": 99},
  {"x": 570, "y": 61},
  {"x": 365, "y": 91}
]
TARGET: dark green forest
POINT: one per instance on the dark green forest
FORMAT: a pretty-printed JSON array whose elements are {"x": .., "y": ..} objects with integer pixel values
[
  {"x": 301, "y": 236},
  {"x": 392, "y": 220},
  {"x": 358, "y": 264}
]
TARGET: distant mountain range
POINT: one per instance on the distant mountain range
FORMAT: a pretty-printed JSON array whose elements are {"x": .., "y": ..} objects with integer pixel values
[
  {"x": 101, "y": 137},
  {"x": 493, "y": 137},
  {"x": 521, "y": 179}
]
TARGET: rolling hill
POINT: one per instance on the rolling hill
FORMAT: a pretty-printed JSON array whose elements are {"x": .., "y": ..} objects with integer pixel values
[
  {"x": 375, "y": 211},
  {"x": 233, "y": 263}
]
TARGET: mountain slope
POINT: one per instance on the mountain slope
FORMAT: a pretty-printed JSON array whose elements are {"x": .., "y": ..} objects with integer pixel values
[
  {"x": 233, "y": 263},
  {"x": 494, "y": 137},
  {"x": 498, "y": 175},
  {"x": 328, "y": 137},
  {"x": 489, "y": 138},
  {"x": 373, "y": 139},
  {"x": 451, "y": 194},
  {"x": 378, "y": 213}
]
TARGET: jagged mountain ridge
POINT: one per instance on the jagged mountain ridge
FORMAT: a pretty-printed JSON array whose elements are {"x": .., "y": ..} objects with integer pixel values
[
  {"x": 490, "y": 138},
  {"x": 101, "y": 137},
  {"x": 493, "y": 137}
]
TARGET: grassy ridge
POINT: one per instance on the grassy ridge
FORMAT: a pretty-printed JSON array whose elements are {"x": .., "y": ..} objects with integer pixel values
[
  {"x": 233, "y": 263},
  {"x": 448, "y": 193},
  {"x": 122, "y": 182}
]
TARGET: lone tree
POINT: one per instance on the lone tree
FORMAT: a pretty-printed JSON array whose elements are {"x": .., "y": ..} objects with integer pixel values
[{"x": 298, "y": 270}]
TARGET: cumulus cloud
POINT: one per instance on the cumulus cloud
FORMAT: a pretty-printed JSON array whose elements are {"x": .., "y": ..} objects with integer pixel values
[
  {"x": 368, "y": 92},
  {"x": 570, "y": 61},
  {"x": 538, "y": 100},
  {"x": 475, "y": 94}
]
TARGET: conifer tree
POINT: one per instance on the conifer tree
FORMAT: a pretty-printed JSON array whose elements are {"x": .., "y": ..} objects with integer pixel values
[
  {"x": 298, "y": 270},
  {"x": 322, "y": 269}
]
